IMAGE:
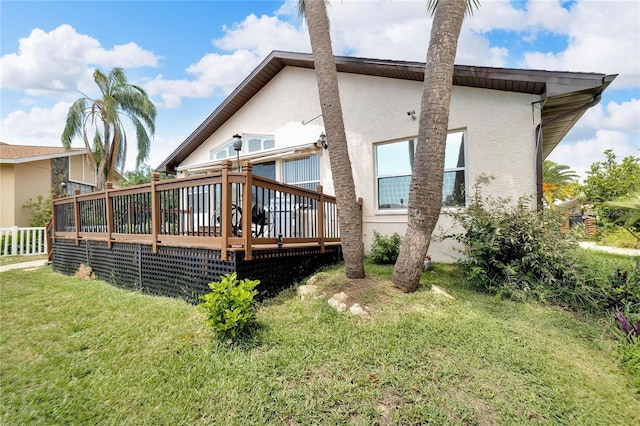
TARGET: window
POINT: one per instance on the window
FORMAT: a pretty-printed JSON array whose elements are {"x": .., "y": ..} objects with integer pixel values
[
  {"x": 302, "y": 171},
  {"x": 394, "y": 165},
  {"x": 225, "y": 151},
  {"x": 252, "y": 144},
  {"x": 257, "y": 143}
]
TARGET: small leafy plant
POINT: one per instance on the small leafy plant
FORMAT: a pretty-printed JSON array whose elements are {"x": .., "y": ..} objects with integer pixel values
[
  {"x": 385, "y": 250},
  {"x": 229, "y": 306}
]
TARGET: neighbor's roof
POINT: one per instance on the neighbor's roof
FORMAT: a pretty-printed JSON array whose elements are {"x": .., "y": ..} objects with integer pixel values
[
  {"x": 26, "y": 153},
  {"x": 566, "y": 95}
]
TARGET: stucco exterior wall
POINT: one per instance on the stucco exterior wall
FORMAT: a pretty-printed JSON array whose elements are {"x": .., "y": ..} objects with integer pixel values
[
  {"x": 7, "y": 191},
  {"x": 80, "y": 170},
  {"x": 499, "y": 134},
  {"x": 29, "y": 180}
]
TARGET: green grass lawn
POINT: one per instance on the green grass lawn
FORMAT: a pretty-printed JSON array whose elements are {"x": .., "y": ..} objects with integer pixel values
[
  {"x": 77, "y": 352},
  {"x": 9, "y": 260}
]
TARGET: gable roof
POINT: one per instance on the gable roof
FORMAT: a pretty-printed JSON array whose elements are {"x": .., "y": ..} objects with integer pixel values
[
  {"x": 566, "y": 95},
  {"x": 26, "y": 153}
]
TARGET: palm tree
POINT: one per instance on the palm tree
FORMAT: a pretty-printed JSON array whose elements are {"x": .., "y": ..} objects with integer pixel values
[
  {"x": 315, "y": 13},
  {"x": 425, "y": 191},
  {"x": 102, "y": 117},
  {"x": 558, "y": 182}
]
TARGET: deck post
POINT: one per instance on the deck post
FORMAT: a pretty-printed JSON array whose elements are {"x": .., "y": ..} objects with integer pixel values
[
  {"x": 109, "y": 213},
  {"x": 247, "y": 210},
  {"x": 76, "y": 214},
  {"x": 226, "y": 210},
  {"x": 320, "y": 218},
  {"x": 155, "y": 212},
  {"x": 54, "y": 221}
]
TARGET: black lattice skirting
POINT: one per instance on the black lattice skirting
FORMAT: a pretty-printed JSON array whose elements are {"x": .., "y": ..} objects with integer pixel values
[{"x": 186, "y": 272}]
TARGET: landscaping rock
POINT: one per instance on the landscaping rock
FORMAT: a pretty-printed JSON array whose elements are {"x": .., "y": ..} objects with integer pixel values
[
  {"x": 338, "y": 301},
  {"x": 441, "y": 292},
  {"x": 357, "y": 310},
  {"x": 307, "y": 291},
  {"x": 315, "y": 278}
]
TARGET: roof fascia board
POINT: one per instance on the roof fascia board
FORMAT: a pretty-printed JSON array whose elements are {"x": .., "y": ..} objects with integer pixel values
[{"x": 39, "y": 157}]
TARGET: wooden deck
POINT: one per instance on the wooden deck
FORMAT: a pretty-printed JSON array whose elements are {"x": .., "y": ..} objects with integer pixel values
[
  {"x": 174, "y": 237},
  {"x": 206, "y": 211}
]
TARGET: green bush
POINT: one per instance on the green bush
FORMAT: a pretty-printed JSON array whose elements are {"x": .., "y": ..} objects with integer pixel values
[
  {"x": 39, "y": 209},
  {"x": 229, "y": 306},
  {"x": 513, "y": 251},
  {"x": 384, "y": 250}
]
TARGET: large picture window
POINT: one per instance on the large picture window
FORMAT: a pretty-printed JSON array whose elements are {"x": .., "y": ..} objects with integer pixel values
[{"x": 394, "y": 165}]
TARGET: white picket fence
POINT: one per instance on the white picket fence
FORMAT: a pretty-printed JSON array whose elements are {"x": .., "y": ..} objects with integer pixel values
[{"x": 23, "y": 241}]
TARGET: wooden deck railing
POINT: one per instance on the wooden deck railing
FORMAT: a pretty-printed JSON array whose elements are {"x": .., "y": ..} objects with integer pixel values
[{"x": 225, "y": 210}]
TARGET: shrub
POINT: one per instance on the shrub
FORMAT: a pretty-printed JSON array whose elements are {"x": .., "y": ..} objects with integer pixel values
[
  {"x": 229, "y": 306},
  {"x": 385, "y": 250},
  {"x": 39, "y": 209},
  {"x": 513, "y": 251}
]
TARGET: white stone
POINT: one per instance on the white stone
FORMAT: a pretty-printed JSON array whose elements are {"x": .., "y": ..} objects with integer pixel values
[
  {"x": 337, "y": 304},
  {"x": 341, "y": 297},
  {"x": 441, "y": 292},
  {"x": 305, "y": 291},
  {"x": 357, "y": 310},
  {"x": 312, "y": 280}
]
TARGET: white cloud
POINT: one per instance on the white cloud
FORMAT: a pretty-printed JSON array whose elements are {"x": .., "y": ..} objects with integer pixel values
[
  {"x": 37, "y": 126},
  {"x": 214, "y": 73},
  {"x": 579, "y": 155},
  {"x": 623, "y": 116},
  {"x": 262, "y": 35},
  {"x": 603, "y": 37},
  {"x": 61, "y": 60}
]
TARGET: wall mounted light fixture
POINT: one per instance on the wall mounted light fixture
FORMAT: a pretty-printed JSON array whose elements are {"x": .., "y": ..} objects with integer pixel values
[{"x": 322, "y": 141}]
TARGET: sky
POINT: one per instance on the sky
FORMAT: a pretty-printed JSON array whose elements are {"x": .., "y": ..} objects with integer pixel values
[{"x": 190, "y": 55}]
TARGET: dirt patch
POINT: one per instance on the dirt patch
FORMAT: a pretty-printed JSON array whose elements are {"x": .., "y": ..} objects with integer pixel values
[{"x": 368, "y": 292}]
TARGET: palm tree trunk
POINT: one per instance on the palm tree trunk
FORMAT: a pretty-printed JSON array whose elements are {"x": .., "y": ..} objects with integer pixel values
[
  {"x": 425, "y": 193},
  {"x": 327, "y": 78}
]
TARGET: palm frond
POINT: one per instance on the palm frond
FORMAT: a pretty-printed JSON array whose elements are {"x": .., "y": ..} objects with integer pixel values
[
  {"x": 472, "y": 5},
  {"x": 74, "y": 122}
]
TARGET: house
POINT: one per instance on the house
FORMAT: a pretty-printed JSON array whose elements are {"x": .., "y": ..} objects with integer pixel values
[
  {"x": 503, "y": 122},
  {"x": 29, "y": 171}
]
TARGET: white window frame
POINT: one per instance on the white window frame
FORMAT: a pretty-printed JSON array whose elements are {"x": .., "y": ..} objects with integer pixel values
[{"x": 377, "y": 176}]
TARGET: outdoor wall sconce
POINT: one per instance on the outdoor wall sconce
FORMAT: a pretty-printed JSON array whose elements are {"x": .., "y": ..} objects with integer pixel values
[
  {"x": 322, "y": 141},
  {"x": 280, "y": 242}
]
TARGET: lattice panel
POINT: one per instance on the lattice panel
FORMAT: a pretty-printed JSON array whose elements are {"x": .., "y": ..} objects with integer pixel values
[
  {"x": 182, "y": 272},
  {"x": 119, "y": 265},
  {"x": 67, "y": 257},
  {"x": 282, "y": 268},
  {"x": 186, "y": 272}
]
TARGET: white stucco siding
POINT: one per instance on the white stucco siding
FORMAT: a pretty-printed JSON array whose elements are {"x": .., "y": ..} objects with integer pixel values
[
  {"x": 278, "y": 109},
  {"x": 499, "y": 135}
]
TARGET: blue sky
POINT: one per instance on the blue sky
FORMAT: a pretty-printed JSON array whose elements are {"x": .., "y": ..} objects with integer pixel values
[{"x": 190, "y": 55}]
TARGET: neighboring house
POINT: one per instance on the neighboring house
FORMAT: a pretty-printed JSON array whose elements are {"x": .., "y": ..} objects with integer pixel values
[
  {"x": 29, "y": 171},
  {"x": 503, "y": 122}
]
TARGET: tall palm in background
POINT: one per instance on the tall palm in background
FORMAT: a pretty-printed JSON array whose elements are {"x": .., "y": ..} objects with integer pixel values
[
  {"x": 98, "y": 123},
  {"x": 558, "y": 182},
  {"x": 349, "y": 218},
  {"x": 425, "y": 191}
]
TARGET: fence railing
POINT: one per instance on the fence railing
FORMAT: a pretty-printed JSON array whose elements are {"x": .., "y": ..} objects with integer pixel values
[
  {"x": 222, "y": 210},
  {"x": 23, "y": 241}
]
